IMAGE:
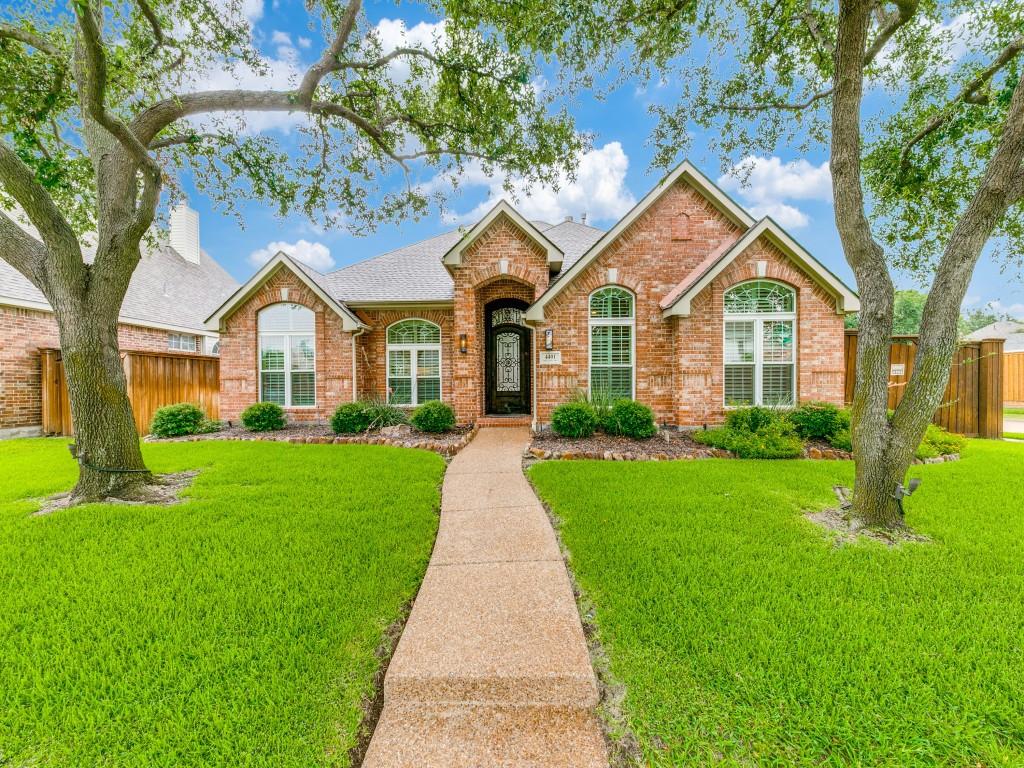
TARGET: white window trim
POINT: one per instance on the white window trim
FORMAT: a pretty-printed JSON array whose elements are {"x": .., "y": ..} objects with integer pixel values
[
  {"x": 414, "y": 349},
  {"x": 595, "y": 321},
  {"x": 179, "y": 337},
  {"x": 759, "y": 318},
  {"x": 287, "y": 360}
]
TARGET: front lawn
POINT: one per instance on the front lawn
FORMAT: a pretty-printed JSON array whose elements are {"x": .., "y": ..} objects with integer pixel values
[
  {"x": 237, "y": 629},
  {"x": 744, "y": 637}
]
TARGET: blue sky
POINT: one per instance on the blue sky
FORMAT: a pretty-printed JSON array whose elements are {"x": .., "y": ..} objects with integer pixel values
[{"x": 792, "y": 188}]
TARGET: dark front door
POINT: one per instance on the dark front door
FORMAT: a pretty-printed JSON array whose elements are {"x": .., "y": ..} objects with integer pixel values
[{"x": 508, "y": 362}]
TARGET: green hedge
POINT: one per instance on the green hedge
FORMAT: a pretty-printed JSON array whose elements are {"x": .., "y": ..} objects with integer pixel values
[
  {"x": 264, "y": 417},
  {"x": 177, "y": 420},
  {"x": 433, "y": 416}
]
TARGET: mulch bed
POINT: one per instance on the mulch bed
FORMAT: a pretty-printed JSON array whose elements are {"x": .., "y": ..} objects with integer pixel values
[
  {"x": 665, "y": 445},
  {"x": 447, "y": 443}
]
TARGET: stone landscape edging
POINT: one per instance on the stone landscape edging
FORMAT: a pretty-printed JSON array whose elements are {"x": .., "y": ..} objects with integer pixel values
[{"x": 811, "y": 452}]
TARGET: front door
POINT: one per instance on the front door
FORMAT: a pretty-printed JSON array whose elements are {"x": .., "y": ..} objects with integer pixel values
[{"x": 508, "y": 363}]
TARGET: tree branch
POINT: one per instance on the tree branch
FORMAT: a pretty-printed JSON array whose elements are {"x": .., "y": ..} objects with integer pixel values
[
  {"x": 970, "y": 93},
  {"x": 181, "y": 138},
  {"x": 19, "y": 182},
  {"x": 329, "y": 61},
  {"x": 778, "y": 105},
  {"x": 159, "y": 36},
  {"x": 890, "y": 24},
  {"x": 12, "y": 32}
]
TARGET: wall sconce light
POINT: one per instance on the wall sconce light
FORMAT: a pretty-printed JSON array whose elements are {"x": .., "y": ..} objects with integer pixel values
[
  {"x": 463, "y": 343},
  {"x": 549, "y": 338}
]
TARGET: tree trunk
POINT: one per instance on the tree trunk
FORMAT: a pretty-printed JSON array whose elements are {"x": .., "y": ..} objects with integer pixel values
[{"x": 106, "y": 441}]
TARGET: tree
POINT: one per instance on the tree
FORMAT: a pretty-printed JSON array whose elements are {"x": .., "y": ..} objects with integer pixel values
[
  {"x": 920, "y": 105},
  {"x": 101, "y": 112},
  {"x": 908, "y": 307},
  {"x": 979, "y": 317}
]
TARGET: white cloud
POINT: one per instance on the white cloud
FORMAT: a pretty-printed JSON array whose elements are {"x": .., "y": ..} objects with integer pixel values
[
  {"x": 599, "y": 190},
  {"x": 394, "y": 33},
  {"x": 316, "y": 255},
  {"x": 280, "y": 38},
  {"x": 1013, "y": 310},
  {"x": 767, "y": 183},
  {"x": 305, "y": 42}
]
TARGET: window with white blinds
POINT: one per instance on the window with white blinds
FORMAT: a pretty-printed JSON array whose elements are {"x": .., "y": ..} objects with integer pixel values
[
  {"x": 612, "y": 325},
  {"x": 287, "y": 355},
  {"x": 414, "y": 362},
  {"x": 760, "y": 344}
]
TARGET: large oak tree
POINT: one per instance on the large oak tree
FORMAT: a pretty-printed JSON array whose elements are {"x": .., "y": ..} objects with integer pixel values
[
  {"x": 920, "y": 105},
  {"x": 103, "y": 108}
]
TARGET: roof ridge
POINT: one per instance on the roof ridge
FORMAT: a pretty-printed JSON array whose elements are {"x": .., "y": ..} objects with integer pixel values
[{"x": 368, "y": 259}]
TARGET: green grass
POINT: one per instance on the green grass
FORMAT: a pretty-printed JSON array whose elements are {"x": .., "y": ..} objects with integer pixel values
[
  {"x": 744, "y": 637},
  {"x": 1014, "y": 435},
  {"x": 1013, "y": 411},
  {"x": 237, "y": 629}
]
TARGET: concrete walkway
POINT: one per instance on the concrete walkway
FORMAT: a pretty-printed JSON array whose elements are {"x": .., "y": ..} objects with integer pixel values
[{"x": 492, "y": 668}]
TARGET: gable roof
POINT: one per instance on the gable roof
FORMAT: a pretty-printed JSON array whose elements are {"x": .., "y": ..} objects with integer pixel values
[
  {"x": 166, "y": 291},
  {"x": 1011, "y": 331},
  {"x": 677, "y": 302},
  {"x": 686, "y": 171},
  {"x": 453, "y": 257},
  {"x": 314, "y": 280}
]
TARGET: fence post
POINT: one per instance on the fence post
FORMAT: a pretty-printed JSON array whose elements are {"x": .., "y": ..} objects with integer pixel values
[{"x": 990, "y": 389}]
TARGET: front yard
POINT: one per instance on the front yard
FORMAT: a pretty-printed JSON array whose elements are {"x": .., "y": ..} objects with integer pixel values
[
  {"x": 743, "y": 636},
  {"x": 238, "y": 628}
]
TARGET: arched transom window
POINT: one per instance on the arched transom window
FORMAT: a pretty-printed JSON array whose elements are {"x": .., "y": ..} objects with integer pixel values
[
  {"x": 414, "y": 362},
  {"x": 760, "y": 344},
  {"x": 612, "y": 313},
  {"x": 287, "y": 355}
]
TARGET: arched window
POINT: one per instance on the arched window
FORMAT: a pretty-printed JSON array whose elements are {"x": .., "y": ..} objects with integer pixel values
[
  {"x": 287, "y": 355},
  {"x": 414, "y": 362},
  {"x": 612, "y": 320},
  {"x": 760, "y": 344}
]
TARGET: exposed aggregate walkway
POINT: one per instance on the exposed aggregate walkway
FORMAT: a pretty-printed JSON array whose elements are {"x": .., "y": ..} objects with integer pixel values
[{"x": 492, "y": 668}]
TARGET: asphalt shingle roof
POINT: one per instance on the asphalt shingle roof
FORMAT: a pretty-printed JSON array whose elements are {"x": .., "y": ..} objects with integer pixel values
[
  {"x": 1011, "y": 331},
  {"x": 416, "y": 273},
  {"x": 165, "y": 289}
]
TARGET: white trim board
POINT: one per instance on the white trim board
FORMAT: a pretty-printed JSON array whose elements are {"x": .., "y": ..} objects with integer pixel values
[
  {"x": 846, "y": 299},
  {"x": 685, "y": 170},
  {"x": 281, "y": 260},
  {"x": 453, "y": 258}
]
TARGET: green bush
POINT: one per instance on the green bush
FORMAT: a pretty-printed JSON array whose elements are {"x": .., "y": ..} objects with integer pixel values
[
  {"x": 263, "y": 417},
  {"x": 939, "y": 442},
  {"x": 433, "y": 416},
  {"x": 380, "y": 413},
  {"x": 210, "y": 425},
  {"x": 350, "y": 418},
  {"x": 752, "y": 419},
  {"x": 577, "y": 418},
  {"x": 775, "y": 440},
  {"x": 177, "y": 420},
  {"x": 842, "y": 440},
  {"x": 630, "y": 419},
  {"x": 819, "y": 421}
]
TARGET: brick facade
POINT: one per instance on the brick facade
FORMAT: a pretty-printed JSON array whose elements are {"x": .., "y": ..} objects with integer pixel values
[
  {"x": 24, "y": 332},
  {"x": 678, "y": 361}
]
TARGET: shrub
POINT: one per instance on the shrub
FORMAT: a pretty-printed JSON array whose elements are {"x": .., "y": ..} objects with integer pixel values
[
  {"x": 752, "y": 419},
  {"x": 577, "y": 418},
  {"x": 177, "y": 420},
  {"x": 433, "y": 416},
  {"x": 775, "y": 440},
  {"x": 631, "y": 419},
  {"x": 819, "y": 421},
  {"x": 380, "y": 413},
  {"x": 350, "y": 418},
  {"x": 842, "y": 440},
  {"x": 939, "y": 442},
  {"x": 263, "y": 417},
  {"x": 210, "y": 425}
]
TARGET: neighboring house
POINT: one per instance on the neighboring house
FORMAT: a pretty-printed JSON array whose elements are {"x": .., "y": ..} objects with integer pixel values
[
  {"x": 173, "y": 290},
  {"x": 1011, "y": 331},
  {"x": 687, "y": 304}
]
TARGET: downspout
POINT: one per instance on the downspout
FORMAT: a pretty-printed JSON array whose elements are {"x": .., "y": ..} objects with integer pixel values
[
  {"x": 355, "y": 358},
  {"x": 533, "y": 377}
]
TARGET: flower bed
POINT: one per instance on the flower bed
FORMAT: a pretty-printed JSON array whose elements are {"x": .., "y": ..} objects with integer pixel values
[{"x": 446, "y": 444}]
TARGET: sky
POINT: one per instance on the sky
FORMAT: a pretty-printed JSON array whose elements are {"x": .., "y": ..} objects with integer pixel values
[{"x": 793, "y": 188}]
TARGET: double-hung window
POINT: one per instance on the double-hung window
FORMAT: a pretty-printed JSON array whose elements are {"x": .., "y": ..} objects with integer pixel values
[
  {"x": 612, "y": 323},
  {"x": 414, "y": 362},
  {"x": 760, "y": 344},
  {"x": 287, "y": 355}
]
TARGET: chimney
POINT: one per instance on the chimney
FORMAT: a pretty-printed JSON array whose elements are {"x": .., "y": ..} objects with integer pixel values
[
  {"x": 185, "y": 232},
  {"x": 583, "y": 218},
  {"x": 569, "y": 217}
]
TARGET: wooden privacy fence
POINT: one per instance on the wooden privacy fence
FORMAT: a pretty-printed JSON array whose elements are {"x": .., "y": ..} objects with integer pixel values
[
  {"x": 154, "y": 379},
  {"x": 1013, "y": 377},
  {"x": 973, "y": 402}
]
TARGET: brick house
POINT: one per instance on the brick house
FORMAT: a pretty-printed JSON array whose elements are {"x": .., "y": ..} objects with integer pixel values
[
  {"x": 687, "y": 304},
  {"x": 174, "y": 288}
]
